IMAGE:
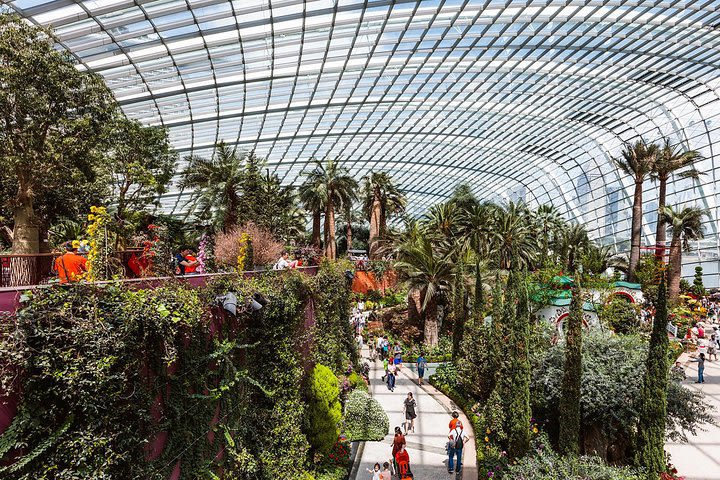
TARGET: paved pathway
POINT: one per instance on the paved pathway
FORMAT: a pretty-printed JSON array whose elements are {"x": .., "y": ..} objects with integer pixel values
[
  {"x": 426, "y": 447},
  {"x": 699, "y": 459}
]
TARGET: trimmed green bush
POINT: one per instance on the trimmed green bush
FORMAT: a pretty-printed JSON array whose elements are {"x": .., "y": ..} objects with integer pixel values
[
  {"x": 365, "y": 419},
  {"x": 324, "y": 410}
]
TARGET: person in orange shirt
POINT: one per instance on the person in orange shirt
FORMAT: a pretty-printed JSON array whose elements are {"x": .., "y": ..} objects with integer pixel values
[
  {"x": 454, "y": 421},
  {"x": 192, "y": 260},
  {"x": 70, "y": 266}
]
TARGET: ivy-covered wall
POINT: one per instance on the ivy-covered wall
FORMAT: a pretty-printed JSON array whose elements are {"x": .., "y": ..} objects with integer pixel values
[{"x": 156, "y": 384}]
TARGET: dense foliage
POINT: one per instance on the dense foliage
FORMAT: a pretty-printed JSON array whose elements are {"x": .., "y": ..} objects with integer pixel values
[
  {"x": 620, "y": 315},
  {"x": 613, "y": 368},
  {"x": 650, "y": 451},
  {"x": 545, "y": 464},
  {"x": 365, "y": 419},
  {"x": 121, "y": 383},
  {"x": 324, "y": 410},
  {"x": 569, "y": 408}
]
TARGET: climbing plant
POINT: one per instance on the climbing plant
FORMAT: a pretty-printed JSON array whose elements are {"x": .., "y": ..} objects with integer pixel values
[{"x": 120, "y": 383}]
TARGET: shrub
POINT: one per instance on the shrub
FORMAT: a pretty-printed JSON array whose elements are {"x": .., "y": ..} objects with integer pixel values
[
  {"x": 620, "y": 315},
  {"x": 612, "y": 378},
  {"x": 356, "y": 381},
  {"x": 266, "y": 249},
  {"x": 544, "y": 464},
  {"x": 365, "y": 419},
  {"x": 324, "y": 409}
]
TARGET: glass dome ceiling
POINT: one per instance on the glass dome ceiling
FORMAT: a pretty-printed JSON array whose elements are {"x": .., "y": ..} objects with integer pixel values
[{"x": 520, "y": 99}]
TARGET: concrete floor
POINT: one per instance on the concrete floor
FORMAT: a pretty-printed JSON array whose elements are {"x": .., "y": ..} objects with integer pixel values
[
  {"x": 426, "y": 446},
  {"x": 699, "y": 459}
]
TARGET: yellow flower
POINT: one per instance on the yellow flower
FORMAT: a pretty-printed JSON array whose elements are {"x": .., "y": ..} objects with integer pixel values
[
  {"x": 93, "y": 209},
  {"x": 488, "y": 431},
  {"x": 91, "y": 217},
  {"x": 487, "y": 439},
  {"x": 75, "y": 244},
  {"x": 535, "y": 430}
]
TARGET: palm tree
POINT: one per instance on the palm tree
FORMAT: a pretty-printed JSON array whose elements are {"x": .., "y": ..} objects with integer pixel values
[
  {"x": 638, "y": 161},
  {"x": 670, "y": 160},
  {"x": 476, "y": 226},
  {"x": 549, "y": 224},
  {"x": 336, "y": 188},
  {"x": 572, "y": 242},
  {"x": 349, "y": 217},
  {"x": 513, "y": 239},
  {"x": 685, "y": 225},
  {"x": 381, "y": 197},
  {"x": 216, "y": 183},
  {"x": 431, "y": 272},
  {"x": 312, "y": 196},
  {"x": 443, "y": 219}
]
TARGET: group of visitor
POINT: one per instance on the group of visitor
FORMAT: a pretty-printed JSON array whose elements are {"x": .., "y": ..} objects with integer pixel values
[{"x": 285, "y": 263}]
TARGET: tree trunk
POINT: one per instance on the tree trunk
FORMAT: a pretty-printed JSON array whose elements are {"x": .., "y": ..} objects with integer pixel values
[
  {"x": 330, "y": 247},
  {"x": 431, "y": 323},
  {"x": 660, "y": 230},
  {"x": 26, "y": 236},
  {"x": 675, "y": 269},
  {"x": 26, "y": 240},
  {"x": 636, "y": 232},
  {"x": 315, "y": 241},
  {"x": 348, "y": 235},
  {"x": 374, "y": 225}
]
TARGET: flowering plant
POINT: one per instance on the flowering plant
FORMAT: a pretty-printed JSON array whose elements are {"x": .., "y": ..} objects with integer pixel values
[
  {"x": 205, "y": 255},
  {"x": 340, "y": 452},
  {"x": 99, "y": 255},
  {"x": 244, "y": 258}
]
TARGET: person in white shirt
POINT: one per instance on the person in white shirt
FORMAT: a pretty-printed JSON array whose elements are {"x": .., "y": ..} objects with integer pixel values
[
  {"x": 456, "y": 443},
  {"x": 282, "y": 263}
]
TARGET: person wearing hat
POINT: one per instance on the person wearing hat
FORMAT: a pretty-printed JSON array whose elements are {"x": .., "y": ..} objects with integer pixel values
[
  {"x": 455, "y": 420},
  {"x": 70, "y": 266}
]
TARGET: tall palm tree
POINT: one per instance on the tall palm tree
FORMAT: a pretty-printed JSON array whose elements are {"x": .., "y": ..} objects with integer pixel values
[
  {"x": 638, "y": 161},
  {"x": 431, "y": 272},
  {"x": 336, "y": 189},
  {"x": 312, "y": 194},
  {"x": 670, "y": 160},
  {"x": 349, "y": 217},
  {"x": 216, "y": 183},
  {"x": 685, "y": 225},
  {"x": 477, "y": 226},
  {"x": 549, "y": 224},
  {"x": 513, "y": 242},
  {"x": 381, "y": 198}
]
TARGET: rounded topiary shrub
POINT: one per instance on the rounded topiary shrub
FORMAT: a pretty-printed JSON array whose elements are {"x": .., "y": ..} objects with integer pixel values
[
  {"x": 324, "y": 410},
  {"x": 365, "y": 419}
]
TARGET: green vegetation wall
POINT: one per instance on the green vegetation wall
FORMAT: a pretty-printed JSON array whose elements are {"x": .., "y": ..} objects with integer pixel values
[{"x": 123, "y": 384}]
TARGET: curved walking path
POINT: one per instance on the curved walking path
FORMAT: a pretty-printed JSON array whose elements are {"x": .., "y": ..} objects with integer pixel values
[
  {"x": 699, "y": 459},
  {"x": 426, "y": 446}
]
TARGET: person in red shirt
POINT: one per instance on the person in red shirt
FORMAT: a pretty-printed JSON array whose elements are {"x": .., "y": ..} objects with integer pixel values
[
  {"x": 192, "y": 260},
  {"x": 70, "y": 266},
  {"x": 398, "y": 443}
]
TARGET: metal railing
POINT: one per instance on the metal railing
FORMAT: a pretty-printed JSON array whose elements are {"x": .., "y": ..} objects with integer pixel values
[{"x": 38, "y": 269}]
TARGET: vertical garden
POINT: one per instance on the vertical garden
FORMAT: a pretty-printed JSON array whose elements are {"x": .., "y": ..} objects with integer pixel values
[{"x": 151, "y": 383}]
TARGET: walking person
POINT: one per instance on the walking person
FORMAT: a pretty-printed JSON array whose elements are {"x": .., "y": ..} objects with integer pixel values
[
  {"x": 701, "y": 368},
  {"x": 398, "y": 441},
  {"x": 386, "y": 473},
  {"x": 402, "y": 460},
  {"x": 409, "y": 410},
  {"x": 456, "y": 443},
  {"x": 391, "y": 371},
  {"x": 421, "y": 366},
  {"x": 712, "y": 348}
]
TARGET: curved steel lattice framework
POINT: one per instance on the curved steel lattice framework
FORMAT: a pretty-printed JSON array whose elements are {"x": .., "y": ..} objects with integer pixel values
[{"x": 520, "y": 99}]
